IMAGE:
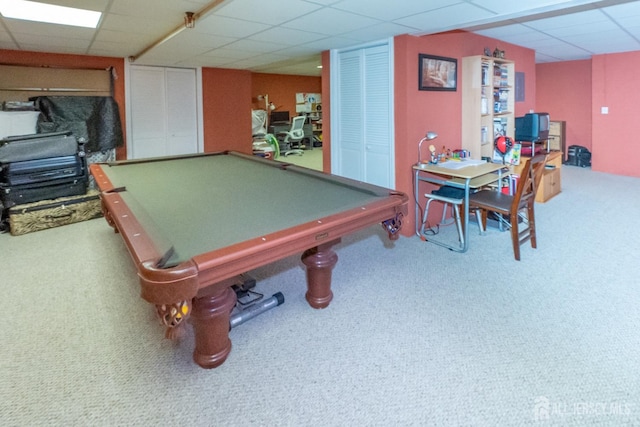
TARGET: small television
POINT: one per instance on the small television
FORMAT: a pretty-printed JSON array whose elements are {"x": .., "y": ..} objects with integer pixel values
[
  {"x": 532, "y": 127},
  {"x": 279, "y": 117}
]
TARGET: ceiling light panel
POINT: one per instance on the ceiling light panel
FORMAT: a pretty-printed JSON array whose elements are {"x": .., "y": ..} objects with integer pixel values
[{"x": 49, "y": 13}]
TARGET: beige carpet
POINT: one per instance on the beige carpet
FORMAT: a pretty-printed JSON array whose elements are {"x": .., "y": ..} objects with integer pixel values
[{"x": 311, "y": 159}]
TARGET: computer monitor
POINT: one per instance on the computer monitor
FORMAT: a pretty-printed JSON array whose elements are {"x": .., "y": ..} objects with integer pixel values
[
  {"x": 279, "y": 117},
  {"x": 532, "y": 127}
]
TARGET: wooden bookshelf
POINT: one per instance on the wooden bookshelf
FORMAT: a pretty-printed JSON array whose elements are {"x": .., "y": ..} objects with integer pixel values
[{"x": 488, "y": 103}]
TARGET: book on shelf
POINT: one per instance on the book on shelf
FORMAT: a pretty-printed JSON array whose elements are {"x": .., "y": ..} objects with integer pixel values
[
  {"x": 499, "y": 127},
  {"x": 501, "y": 100},
  {"x": 485, "y": 74}
]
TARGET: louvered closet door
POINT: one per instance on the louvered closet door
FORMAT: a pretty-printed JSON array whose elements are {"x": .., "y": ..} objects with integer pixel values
[
  {"x": 349, "y": 145},
  {"x": 363, "y": 144},
  {"x": 182, "y": 122},
  {"x": 163, "y": 110}
]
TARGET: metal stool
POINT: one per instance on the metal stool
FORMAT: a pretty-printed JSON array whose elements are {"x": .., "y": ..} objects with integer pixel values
[{"x": 455, "y": 207}]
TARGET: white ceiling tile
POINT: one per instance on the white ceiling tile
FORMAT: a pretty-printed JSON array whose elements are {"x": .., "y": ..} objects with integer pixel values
[
  {"x": 59, "y": 42},
  {"x": 166, "y": 10},
  {"x": 524, "y": 7},
  {"x": 565, "y": 56},
  {"x": 563, "y": 49},
  {"x": 378, "y": 32},
  {"x": 7, "y": 44},
  {"x": 230, "y": 27},
  {"x": 578, "y": 30},
  {"x": 581, "y": 19},
  {"x": 507, "y": 31},
  {"x": 210, "y": 61},
  {"x": 332, "y": 43},
  {"x": 628, "y": 22},
  {"x": 230, "y": 55},
  {"x": 59, "y": 48},
  {"x": 330, "y": 22},
  {"x": 454, "y": 16},
  {"x": 4, "y": 36},
  {"x": 634, "y": 31},
  {"x": 131, "y": 24},
  {"x": 326, "y": 2},
  {"x": 545, "y": 43},
  {"x": 247, "y": 45},
  {"x": 602, "y": 42},
  {"x": 300, "y": 51},
  {"x": 268, "y": 12},
  {"x": 286, "y": 36},
  {"x": 390, "y": 10},
  {"x": 622, "y": 11},
  {"x": 610, "y": 36}
]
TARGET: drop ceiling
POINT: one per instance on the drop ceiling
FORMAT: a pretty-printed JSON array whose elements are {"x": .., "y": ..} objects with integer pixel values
[{"x": 287, "y": 36}]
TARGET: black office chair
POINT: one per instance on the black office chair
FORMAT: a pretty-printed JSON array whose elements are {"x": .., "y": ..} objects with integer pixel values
[{"x": 292, "y": 139}]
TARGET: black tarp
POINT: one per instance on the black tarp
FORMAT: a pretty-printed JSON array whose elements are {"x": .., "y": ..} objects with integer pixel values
[{"x": 94, "y": 118}]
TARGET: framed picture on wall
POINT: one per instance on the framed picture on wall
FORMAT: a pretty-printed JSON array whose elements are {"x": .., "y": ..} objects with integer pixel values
[{"x": 437, "y": 73}]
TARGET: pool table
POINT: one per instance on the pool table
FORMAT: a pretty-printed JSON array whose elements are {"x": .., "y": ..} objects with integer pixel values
[{"x": 193, "y": 224}]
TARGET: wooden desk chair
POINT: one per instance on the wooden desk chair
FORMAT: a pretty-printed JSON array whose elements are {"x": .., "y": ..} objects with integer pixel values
[{"x": 509, "y": 207}]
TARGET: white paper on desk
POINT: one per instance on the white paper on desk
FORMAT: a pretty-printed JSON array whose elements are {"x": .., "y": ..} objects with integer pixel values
[{"x": 452, "y": 164}]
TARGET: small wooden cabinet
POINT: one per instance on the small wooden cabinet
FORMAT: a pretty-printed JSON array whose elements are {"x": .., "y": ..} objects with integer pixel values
[
  {"x": 551, "y": 177},
  {"x": 557, "y": 137}
]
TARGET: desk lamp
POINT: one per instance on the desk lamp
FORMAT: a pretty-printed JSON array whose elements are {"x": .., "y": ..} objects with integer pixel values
[
  {"x": 268, "y": 106},
  {"x": 430, "y": 136}
]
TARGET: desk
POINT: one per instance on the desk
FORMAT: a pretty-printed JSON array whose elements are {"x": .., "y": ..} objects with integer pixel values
[
  {"x": 466, "y": 178},
  {"x": 193, "y": 223}
]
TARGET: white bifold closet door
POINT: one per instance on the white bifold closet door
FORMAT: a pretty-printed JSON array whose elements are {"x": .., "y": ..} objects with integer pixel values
[
  {"x": 362, "y": 139},
  {"x": 163, "y": 112}
]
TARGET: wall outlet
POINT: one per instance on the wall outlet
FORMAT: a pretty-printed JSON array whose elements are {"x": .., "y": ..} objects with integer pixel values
[{"x": 604, "y": 110}]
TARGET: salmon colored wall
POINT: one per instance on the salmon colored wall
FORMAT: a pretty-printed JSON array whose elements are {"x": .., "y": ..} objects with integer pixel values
[
  {"x": 282, "y": 89},
  {"x": 41, "y": 59},
  {"x": 564, "y": 91},
  {"x": 417, "y": 112},
  {"x": 230, "y": 95},
  {"x": 226, "y": 109},
  {"x": 615, "y": 84},
  {"x": 575, "y": 91}
]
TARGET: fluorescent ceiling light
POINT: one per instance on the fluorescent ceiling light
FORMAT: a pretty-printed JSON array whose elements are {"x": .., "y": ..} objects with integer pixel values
[{"x": 42, "y": 12}]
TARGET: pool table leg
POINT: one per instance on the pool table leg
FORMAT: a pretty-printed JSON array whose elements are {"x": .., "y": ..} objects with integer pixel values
[
  {"x": 210, "y": 318},
  {"x": 320, "y": 261}
]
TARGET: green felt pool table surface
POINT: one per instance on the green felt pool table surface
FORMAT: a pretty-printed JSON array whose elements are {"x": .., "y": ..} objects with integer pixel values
[{"x": 199, "y": 204}]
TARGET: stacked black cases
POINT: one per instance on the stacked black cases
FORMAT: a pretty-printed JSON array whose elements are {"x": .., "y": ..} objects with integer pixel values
[
  {"x": 42, "y": 170},
  {"x": 41, "y": 167}
]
